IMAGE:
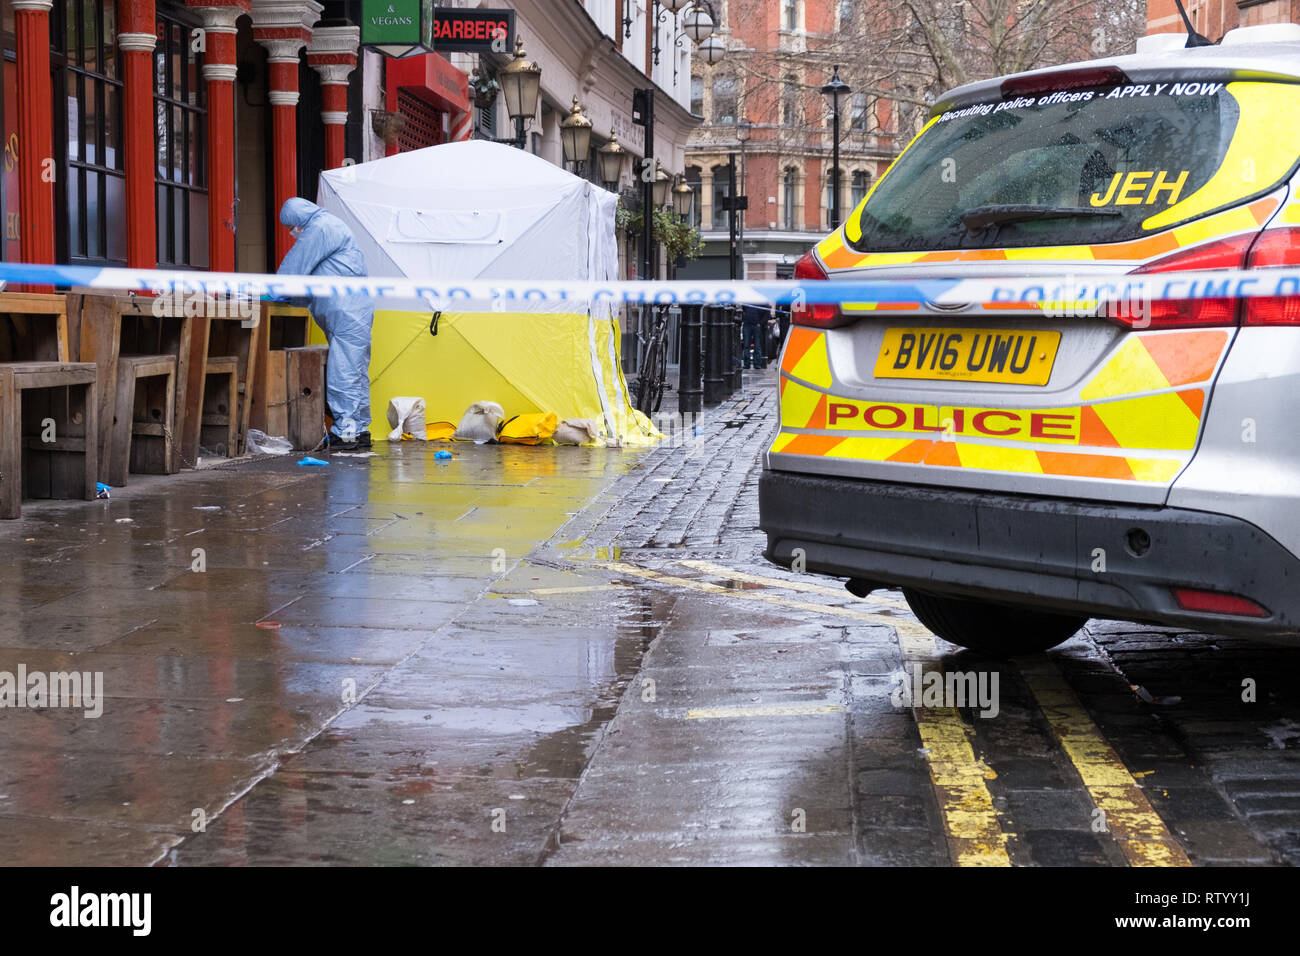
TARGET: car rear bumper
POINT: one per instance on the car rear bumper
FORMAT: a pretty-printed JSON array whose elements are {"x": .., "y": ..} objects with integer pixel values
[{"x": 1024, "y": 549}]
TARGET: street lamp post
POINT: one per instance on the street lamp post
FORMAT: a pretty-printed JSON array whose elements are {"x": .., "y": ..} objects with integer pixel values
[
  {"x": 835, "y": 91},
  {"x": 732, "y": 210},
  {"x": 743, "y": 130},
  {"x": 643, "y": 114}
]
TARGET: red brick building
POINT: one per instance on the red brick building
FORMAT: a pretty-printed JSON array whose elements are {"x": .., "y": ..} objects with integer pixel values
[
  {"x": 1214, "y": 18},
  {"x": 779, "y": 54}
]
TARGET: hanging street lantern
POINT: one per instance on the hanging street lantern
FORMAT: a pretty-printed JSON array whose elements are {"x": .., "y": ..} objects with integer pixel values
[
  {"x": 683, "y": 196},
  {"x": 661, "y": 186},
  {"x": 575, "y": 135},
  {"x": 698, "y": 24},
  {"x": 521, "y": 83},
  {"x": 712, "y": 49},
  {"x": 612, "y": 159}
]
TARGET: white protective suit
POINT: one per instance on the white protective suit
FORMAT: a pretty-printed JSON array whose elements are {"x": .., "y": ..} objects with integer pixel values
[{"x": 325, "y": 247}]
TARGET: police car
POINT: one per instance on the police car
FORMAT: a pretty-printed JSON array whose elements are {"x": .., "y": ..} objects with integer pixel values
[{"x": 1018, "y": 468}]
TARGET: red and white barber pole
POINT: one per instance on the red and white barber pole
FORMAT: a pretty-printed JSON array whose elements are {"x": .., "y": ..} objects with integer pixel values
[{"x": 462, "y": 127}]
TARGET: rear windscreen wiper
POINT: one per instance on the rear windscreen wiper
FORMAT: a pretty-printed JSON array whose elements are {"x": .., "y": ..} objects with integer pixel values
[{"x": 982, "y": 216}]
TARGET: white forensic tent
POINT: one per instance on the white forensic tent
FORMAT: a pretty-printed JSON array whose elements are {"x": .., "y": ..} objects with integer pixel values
[{"x": 481, "y": 210}]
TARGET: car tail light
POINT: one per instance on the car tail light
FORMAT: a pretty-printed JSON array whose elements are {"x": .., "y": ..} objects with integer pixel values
[
  {"x": 817, "y": 315},
  {"x": 1276, "y": 247},
  {"x": 1064, "y": 80},
  {"x": 1216, "y": 602},
  {"x": 1185, "y": 313}
]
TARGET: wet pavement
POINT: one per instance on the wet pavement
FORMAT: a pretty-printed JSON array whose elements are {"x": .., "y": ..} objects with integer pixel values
[{"x": 572, "y": 656}]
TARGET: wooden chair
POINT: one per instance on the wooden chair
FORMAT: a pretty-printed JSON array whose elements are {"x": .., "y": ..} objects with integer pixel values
[
  {"x": 144, "y": 417},
  {"x": 219, "y": 424},
  {"x": 33, "y": 327},
  {"x": 282, "y": 327},
  {"x": 48, "y": 417},
  {"x": 305, "y": 392}
]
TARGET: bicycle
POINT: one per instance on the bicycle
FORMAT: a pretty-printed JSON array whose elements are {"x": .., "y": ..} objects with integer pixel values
[{"x": 652, "y": 381}]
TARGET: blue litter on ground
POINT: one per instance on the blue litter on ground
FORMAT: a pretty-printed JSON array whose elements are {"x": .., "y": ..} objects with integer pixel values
[
  {"x": 312, "y": 461},
  {"x": 102, "y": 490},
  {"x": 442, "y": 454}
]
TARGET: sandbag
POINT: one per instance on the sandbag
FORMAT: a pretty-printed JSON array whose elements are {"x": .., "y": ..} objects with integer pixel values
[
  {"x": 577, "y": 431},
  {"x": 532, "y": 429},
  {"x": 480, "y": 423},
  {"x": 406, "y": 417}
]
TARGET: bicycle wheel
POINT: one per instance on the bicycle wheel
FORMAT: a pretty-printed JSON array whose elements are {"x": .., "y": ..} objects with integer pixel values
[
  {"x": 660, "y": 372},
  {"x": 650, "y": 382}
]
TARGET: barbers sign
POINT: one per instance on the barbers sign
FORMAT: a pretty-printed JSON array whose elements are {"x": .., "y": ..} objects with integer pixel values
[{"x": 410, "y": 27}]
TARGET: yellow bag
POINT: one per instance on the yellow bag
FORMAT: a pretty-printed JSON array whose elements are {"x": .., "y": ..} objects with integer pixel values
[
  {"x": 440, "y": 431},
  {"x": 532, "y": 429}
]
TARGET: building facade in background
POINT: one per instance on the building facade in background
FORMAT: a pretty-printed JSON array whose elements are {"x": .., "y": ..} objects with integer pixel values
[
  {"x": 1214, "y": 18},
  {"x": 160, "y": 133},
  {"x": 766, "y": 92}
]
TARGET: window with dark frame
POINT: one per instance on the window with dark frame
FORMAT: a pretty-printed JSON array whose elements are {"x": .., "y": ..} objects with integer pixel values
[
  {"x": 859, "y": 192},
  {"x": 721, "y": 190},
  {"x": 695, "y": 182},
  {"x": 789, "y": 100},
  {"x": 10, "y": 246},
  {"x": 91, "y": 181},
  {"x": 792, "y": 14},
  {"x": 724, "y": 99},
  {"x": 180, "y": 121},
  {"x": 787, "y": 197}
]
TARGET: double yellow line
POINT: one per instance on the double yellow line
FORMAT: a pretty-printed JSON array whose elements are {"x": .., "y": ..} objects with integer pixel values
[{"x": 974, "y": 828}]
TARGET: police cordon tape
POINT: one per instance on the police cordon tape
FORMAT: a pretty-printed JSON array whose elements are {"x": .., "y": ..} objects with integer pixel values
[{"x": 444, "y": 294}]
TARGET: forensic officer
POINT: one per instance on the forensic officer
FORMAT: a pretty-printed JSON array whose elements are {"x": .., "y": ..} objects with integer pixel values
[{"x": 324, "y": 246}]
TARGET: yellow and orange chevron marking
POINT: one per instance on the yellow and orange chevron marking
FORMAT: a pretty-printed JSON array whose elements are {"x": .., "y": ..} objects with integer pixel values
[
  {"x": 1138, "y": 400},
  {"x": 806, "y": 358}
]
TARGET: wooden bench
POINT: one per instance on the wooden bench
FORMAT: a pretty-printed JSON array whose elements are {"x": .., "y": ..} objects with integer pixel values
[
  {"x": 144, "y": 417},
  {"x": 48, "y": 410}
]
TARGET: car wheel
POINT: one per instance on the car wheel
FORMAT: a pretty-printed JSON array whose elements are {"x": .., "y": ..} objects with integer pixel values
[{"x": 998, "y": 629}]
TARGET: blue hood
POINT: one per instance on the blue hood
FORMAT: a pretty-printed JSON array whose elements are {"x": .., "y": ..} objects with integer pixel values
[{"x": 297, "y": 212}]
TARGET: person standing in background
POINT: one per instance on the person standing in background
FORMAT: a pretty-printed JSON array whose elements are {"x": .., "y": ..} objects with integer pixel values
[{"x": 753, "y": 335}]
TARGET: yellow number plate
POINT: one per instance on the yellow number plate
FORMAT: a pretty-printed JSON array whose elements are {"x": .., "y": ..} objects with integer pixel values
[{"x": 1021, "y": 357}]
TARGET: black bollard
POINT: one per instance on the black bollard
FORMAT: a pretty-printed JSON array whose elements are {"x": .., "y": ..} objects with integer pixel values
[
  {"x": 715, "y": 345},
  {"x": 690, "y": 392},
  {"x": 737, "y": 350}
]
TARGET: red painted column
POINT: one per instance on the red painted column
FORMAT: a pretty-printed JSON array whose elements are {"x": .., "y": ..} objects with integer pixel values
[
  {"x": 284, "y": 131},
  {"x": 136, "y": 20},
  {"x": 37, "y": 168},
  {"x": 284, "y": 27},
  {"x": 333, "y": 54},
  {"x": 219, "y": 74}
]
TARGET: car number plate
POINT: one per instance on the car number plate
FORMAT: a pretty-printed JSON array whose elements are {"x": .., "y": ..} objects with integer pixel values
[{"x": 1016, "y": 356}]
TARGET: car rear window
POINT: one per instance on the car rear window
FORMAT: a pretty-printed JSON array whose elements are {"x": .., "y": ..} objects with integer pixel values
[{"x": 1081, "y": 166}]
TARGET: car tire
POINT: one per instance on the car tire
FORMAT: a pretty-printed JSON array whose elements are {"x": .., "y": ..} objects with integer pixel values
[{"x": 997, "y": 629}]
